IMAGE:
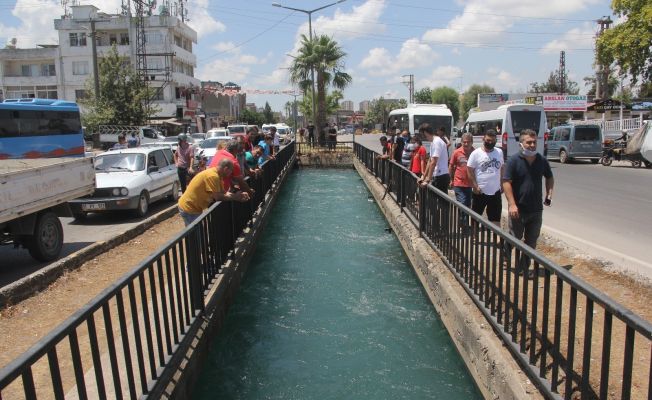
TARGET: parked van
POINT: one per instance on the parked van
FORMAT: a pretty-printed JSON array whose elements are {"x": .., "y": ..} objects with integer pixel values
[
  {"x": 568, "y": 142},
  {"x": 410, "y": 118},
  {"x": 508, "y": 121}
]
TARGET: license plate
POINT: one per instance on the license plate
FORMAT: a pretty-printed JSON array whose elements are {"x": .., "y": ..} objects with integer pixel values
[{"x": 94, "y": 206}]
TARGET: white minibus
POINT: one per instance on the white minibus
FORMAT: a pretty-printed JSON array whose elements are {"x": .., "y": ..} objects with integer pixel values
[
  {"x": 410, "y": 118},
  {"x": 508, "y": 121}
]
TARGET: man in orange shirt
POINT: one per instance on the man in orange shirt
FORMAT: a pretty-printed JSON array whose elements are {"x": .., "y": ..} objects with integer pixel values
[
  {"x": 461, "y": 184},
  {"x": 229, "y": 153}
]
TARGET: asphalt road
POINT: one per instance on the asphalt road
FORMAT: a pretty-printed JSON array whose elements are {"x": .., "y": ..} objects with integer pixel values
[
  {"x": 17, "y": 263},
  {"x": 602, "y": 211}
]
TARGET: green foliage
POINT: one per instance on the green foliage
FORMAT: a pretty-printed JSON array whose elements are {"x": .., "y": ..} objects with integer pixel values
[
  {"x": 268, "y": 114},
  {"x": 450, "y": 97},
  {"x": 645, "y": 90},
  {"x": 252, "y": 117},
  {"x": 591, "y": 82},
  {"x": 423, "y": 96},
  {"x": 379, "y": 110},
  {"x": 326, "y": 57},
  {"x": 470, "y": 98},
  {"x": 629, "y": 44},
  {"x": 123, "y": 98},
  {"x": 552, "y": 85}
]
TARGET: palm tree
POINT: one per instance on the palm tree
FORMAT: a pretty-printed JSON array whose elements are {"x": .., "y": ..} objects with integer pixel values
[{"x": 326, "y": 57}]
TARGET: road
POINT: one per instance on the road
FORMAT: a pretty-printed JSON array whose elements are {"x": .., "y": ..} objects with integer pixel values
[
  {"x": 17, "y": 263},
  {"x": 605, "y": 212}
]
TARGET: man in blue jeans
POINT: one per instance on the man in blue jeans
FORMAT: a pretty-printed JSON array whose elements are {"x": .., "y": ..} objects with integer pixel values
[{"x": 522, "y": 183}]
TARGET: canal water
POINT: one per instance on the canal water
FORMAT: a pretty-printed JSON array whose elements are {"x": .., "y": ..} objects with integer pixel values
[{"x": 331, "y": 309}]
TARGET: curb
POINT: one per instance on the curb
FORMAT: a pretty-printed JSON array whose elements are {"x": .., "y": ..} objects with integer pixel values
[{"x": 41, "y": 279}]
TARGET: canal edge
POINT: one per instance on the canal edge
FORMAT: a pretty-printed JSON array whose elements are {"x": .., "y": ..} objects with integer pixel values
[{"x": 494, "y": 369}]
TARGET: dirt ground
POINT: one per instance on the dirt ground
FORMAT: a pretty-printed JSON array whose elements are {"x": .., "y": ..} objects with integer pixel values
[{"x": 23, "y": 324}]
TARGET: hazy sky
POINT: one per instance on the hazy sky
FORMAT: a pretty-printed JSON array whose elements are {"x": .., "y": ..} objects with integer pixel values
[{"x": 504, "y": 43}]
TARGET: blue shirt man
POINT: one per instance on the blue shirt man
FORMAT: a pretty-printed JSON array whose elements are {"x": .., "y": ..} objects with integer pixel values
[{"x": 266, "y": 145}]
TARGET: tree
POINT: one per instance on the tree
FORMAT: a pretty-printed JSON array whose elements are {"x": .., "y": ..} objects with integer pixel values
[
  {"x": 628, "y": 44},
  {"x": 379, "y": 110},
  {"x": 448, "y": 96},
  {"x": 645, "y": 91},
  {"x": 423, "y": 96},
  {"x": 268, "y": 114},
  {"x": 591, "y": 82},
  {"x": 252, "y": 117},
  {"x": 470, "y": 97},
  {"x": 325, "y": 56},
  {"x": 124, "y": 96},
  {"x": 553, "y": 85}
]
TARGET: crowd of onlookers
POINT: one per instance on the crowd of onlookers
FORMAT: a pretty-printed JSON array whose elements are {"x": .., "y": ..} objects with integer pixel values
[{"x": 480, "y": 176}]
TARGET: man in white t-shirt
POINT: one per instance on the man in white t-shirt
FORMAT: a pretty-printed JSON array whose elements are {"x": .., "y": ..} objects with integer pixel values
[
  {"x": 437, "y": 168},
  {"x": 485, "y": 170}
]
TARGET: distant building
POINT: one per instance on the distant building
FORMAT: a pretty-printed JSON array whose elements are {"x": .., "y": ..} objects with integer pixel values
[
  {"x": 363, "y": 106},
  {"x": 222, "y": 100},
  {"x": 62, "y": 71},
  {"x": 251, "y": 107},
  {"x": 346, "y": 105}
]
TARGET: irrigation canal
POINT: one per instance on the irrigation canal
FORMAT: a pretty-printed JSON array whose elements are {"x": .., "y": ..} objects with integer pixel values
[{"x": 330, "y": 308}]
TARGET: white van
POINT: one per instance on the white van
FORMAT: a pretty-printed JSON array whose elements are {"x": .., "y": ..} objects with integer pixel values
[
  {"x": 410, "y": 118},
  {"x": 508, "y": 121}
]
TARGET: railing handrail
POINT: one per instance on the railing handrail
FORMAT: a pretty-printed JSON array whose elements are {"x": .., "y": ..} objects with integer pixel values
[{"x": 40, "y": 349}]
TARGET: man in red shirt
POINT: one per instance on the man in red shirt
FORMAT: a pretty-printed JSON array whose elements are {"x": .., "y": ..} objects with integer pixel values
[
  {"x": 461, "y": 184},
  {"x": 419, "y": 157},
  {"x": 232, "y": 148}
]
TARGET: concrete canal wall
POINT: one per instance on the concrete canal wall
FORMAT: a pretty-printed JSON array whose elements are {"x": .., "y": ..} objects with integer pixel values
[{"x": 494, "y": 369}]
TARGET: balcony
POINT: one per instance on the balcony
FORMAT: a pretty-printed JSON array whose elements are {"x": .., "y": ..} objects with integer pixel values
[{"x": 13, "y": 80}]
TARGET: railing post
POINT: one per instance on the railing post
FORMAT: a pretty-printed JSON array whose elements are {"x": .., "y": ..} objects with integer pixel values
[{"x": 194, "y": 273}]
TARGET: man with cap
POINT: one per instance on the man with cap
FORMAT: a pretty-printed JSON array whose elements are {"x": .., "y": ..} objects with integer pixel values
[{"x": 183, "y": 159}]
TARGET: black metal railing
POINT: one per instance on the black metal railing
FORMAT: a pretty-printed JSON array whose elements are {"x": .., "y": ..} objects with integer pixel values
[
  {"x": 573, "y": 340},
  {"x": 328, "y": 147},
  {"x": 120, "y": 343}
]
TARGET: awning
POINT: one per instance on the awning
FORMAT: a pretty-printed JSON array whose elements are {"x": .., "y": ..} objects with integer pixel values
[{"x": 172, "y": 121}]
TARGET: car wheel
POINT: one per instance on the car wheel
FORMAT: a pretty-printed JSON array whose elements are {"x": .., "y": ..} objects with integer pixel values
[
  {"x": 46, "y": 242},
  {"x": 174, "y": 195},
  {"x": 563, "y": 156},
  {"x": 143, "y": 204}
]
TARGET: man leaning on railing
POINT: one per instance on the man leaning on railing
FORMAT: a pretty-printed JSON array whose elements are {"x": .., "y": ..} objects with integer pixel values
[{"x": 206, "y": 187}]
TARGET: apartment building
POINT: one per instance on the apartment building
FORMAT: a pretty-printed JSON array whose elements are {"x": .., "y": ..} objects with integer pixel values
[
  {"x": 62, "y": 71},
  {"x": 346, "y": 105}
]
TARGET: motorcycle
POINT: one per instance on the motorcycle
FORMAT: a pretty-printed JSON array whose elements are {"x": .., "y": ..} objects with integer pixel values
[{"x": 617, "y": 150}]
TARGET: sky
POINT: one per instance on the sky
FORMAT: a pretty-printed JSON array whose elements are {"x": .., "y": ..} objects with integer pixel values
[{"x": 506, "y": 44}]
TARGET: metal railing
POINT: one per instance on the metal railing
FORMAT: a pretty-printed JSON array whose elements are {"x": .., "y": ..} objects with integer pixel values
[
  {"x": 120, "y": 343},
  {"x": 327, "y": 147},
  {"x": 627, "y": 124},
  {"x": 571, "y": 339}
]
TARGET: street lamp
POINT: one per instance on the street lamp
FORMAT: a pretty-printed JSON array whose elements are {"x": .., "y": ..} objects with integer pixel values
[{"x": 312, "y": 70}]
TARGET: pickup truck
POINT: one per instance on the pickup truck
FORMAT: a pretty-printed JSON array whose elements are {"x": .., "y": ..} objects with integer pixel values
[
  {"x": 34, "y": 194},
  {"x": 109, "y": 134}
]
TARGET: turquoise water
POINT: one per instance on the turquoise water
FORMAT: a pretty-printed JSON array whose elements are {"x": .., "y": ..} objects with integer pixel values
[{"x": 331, "y": 309}]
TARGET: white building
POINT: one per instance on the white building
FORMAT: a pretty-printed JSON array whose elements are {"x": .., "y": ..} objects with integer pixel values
[
  {"x": 66, "y": 68},
  {"x": 346, "y": 105},
  {"x": 363, "y": 106}
]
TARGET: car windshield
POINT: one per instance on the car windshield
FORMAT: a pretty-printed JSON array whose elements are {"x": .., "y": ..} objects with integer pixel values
[
  {"x": 281, "y": 131},
  {"x": 198, "y": 136},
  {"x": 591, "y": 133},
  {"x": 171, "y": 139},
  {"x": 237, "y": 129},
  {"x": 436, "y": 121},
  {"x": 217, "y": 133},
  {"x": 120, "y": 162},
  {"x": 525, "y": 120},
  {"x": 209, "y": 143}
]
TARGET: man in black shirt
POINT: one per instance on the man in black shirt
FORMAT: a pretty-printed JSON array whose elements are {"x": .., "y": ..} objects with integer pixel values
[
  {"x": 311, "y": 133},
  {"x": 522, "y": 180}
]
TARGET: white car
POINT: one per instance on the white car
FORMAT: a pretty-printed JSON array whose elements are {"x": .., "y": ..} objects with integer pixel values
[
  {"x": 130, "y": 179},
  {"x": 174, "y": 142},
  {"x": 208, "y": 147},
  {"x": 217, "y": 132}
]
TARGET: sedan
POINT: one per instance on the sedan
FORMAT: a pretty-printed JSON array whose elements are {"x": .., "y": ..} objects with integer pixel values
[
  {"x": 130, "y": 179},
  {"x": 207, "y": 148}
]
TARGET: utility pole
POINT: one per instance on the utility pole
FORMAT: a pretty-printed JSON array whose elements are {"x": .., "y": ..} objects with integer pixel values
[
  {"x": 602, "y": 76},
  {"x": 408, "y": 80},
  {"x": 562, "y": 72},
  {"x": 96, "y": 74}
]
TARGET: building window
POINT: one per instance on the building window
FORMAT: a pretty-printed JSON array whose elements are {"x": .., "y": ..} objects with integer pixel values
[
  {"x": 124, "y": 39},
  {"x": 113, "y": 39},
  {"x": 25, "y": 70},
  {"x": 80, "y": 94},
  {"x": 48, "y": 70},
  {"x": 80, "y": 67},
  {"x": 158, "y": 94},
  {"x": 46, "y": 92},
  {"x": 154, "y": 38},
  {"x": 177, "y": 41},
  {"x": 77, "y": 39}
]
